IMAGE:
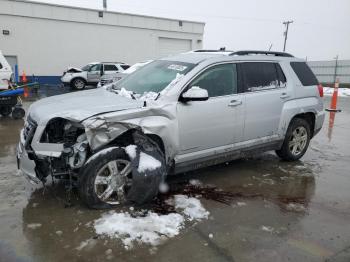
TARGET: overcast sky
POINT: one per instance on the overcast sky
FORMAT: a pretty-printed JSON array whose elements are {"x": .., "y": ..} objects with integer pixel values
[{"x": 321, "y": 28}]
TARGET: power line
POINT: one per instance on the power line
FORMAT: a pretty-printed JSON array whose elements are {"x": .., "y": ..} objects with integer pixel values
[{"x": 286, "y": 23}]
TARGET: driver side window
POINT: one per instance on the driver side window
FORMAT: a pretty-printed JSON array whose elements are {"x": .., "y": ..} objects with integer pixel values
[
  {"x": 96, "y": 67},
  {"x": 219, "y": 80}
]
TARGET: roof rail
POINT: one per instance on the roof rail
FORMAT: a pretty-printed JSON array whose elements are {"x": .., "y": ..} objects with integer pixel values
[
  {"x": 211, "y": 50},
  {"x": 255, "y": 52}
]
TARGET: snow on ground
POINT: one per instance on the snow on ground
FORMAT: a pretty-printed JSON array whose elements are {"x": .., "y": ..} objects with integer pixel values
[
  {"x": 191, "y": 207},
  {"x": 153, "y": 228},
  {"x": 147, "y": 162},
  {"x": 343, "y": 92}
]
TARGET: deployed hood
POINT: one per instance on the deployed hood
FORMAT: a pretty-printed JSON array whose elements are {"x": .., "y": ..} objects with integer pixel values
[
  {"x": 80, "y": 105},
  {"x": 73, "y": 70}
]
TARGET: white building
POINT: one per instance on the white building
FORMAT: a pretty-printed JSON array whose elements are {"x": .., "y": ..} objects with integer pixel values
[{"x": 44, "y": 39}]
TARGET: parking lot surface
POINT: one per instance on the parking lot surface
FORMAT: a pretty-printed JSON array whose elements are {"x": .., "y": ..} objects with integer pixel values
[{"x": 268, "y": 210}]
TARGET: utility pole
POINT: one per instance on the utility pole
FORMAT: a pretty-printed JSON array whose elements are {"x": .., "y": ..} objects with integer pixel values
[
  {"x": 286, "y": 23},
  {"x": 105, "y": 5}
]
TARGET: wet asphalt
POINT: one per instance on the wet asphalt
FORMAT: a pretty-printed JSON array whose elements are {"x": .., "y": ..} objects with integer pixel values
[{"x": 296, "y": 211}]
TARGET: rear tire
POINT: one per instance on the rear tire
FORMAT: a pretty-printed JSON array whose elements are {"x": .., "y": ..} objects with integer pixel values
[
  {"x": 78, "y": 83},
  {"x": 296, "y": 141}
]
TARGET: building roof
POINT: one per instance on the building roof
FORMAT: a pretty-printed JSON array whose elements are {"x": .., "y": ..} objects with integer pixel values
[{"x": 89, "y": 15}]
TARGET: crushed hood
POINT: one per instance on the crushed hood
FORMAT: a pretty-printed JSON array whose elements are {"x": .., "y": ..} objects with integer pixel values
[
  {"x": 80, "y": 105},
  {"x": 73, "y": 70}
]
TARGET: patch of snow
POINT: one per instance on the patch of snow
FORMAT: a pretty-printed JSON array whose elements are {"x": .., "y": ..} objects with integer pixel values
[
  {"x": 99, "y": 153},
  {"x": 295, "y": 207},
  {"x": 88, "y": 244},
  {"x": 151, "y": 229},
  {"x": 148, "y": 162},
  {"x": 211, "y": 235},
  {"x": 149, "y": 96},
  {"x": 241, "y": 204},
  {"x": 59, "y": 232},
  {"x": 131, "y": 151},
  {"x": 191, "y": 207},
  {"x": 195, "y": 182},
  {"x": 125, "y": 93},
  {"x": 267, "y": 228},
  {"x": 34, "y": 225}
]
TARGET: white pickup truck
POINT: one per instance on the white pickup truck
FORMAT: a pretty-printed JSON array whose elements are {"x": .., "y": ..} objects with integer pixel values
[{"x": 5, "y": 72}]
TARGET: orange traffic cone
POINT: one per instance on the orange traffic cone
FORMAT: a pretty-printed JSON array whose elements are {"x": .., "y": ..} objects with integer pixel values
[
  {"x": 26, "y": 92},
  {"x": 24, "y": 77},
  {"x": 334, "y": 98}
]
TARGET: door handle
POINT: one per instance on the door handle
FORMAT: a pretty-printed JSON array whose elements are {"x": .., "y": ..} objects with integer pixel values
[
  {"x": 235, "y": 103},
  {"x": 284, "y": 95}
]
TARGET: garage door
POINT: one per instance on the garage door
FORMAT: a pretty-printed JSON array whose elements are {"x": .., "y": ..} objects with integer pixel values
[{"x": 171, "y": 46}]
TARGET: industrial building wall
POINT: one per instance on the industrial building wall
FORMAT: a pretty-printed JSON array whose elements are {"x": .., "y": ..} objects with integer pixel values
[
  {"x": 328, "y": 71},
  {"x": 45, "y": 47}
]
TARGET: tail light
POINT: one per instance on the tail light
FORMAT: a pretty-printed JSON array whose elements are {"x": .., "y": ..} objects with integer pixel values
[{"x": 320, "y": 89}]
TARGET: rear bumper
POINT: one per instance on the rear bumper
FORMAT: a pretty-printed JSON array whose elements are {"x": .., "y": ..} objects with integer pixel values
[
  {"x": 319, "y": 121},
  {"x": 26, "y": 165}
]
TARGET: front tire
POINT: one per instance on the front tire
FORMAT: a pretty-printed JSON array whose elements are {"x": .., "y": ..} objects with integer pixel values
[
  {"x": 78, "y": 83},
  {"x": 296, "y": 141},
  {"x": 107, "y": 181},
  {"x": 5, "y": 111}
]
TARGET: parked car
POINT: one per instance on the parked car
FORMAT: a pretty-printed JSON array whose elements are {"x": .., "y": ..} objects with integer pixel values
[
  {"x": 110, "y": 78},
  {"x": 6, "y": 73},
  {"x": 90, "y": 74},
  {"x": 173, "y": 115}
]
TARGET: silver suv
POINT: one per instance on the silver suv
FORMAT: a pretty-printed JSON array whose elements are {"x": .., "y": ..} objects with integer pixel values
[{"x": 117, "y": 143}]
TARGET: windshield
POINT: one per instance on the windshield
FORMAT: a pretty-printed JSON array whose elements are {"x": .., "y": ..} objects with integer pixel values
[{"x": 153, "y": 77}]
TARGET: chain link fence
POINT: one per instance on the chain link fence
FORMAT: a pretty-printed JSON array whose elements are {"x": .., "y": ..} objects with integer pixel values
[{"x": 328, "y": 71}]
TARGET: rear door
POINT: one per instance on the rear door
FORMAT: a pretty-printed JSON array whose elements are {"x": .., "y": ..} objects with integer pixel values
[
  {"x": 110, "y": 69},
  {"x": 265, "y": 89}
]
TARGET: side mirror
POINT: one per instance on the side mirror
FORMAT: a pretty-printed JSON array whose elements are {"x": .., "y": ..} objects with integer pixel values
[{"x": 195, "y": 93}]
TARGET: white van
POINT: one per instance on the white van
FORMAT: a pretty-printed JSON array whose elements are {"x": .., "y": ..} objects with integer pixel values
[{"x": 5, "y": 72}]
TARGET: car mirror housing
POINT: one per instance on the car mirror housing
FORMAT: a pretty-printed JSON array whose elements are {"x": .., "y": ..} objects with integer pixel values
[{"x": 195, "y": 93}]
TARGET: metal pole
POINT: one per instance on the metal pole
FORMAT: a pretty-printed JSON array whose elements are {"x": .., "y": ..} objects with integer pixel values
[
  {"x": 286, "y": 23},
  {"x": 335, "y": 69},
  {"x": 105, "y": 5}
]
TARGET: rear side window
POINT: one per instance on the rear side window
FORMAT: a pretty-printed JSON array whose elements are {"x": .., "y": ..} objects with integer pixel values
[
  {"x": 219, "y": 80},
  {"x": 110, "y": 68},
  {"x": 304, "y": 73},
  {"x": 261, "y": 76}
]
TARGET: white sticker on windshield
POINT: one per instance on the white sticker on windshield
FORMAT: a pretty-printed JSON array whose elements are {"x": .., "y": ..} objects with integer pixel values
[{"x": 177, "y": 67}]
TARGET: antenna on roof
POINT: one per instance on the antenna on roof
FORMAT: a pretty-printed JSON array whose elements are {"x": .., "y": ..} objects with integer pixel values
[{"x": 222, "y": 49}]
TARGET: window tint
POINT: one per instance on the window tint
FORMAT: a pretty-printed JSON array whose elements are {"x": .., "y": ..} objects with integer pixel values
[
  {"x": 110, "y": 68},
  {"x": 218, "y": 80},
  {"x": 125, "y": 66},
  {"x": 304, "y": 73},
  {"x": 261, "y": 76},
  {"x": 0, "y": 66},
  {"x": 96, "y": 67}
]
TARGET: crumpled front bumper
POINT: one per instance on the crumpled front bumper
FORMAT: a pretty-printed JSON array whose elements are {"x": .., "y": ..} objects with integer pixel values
[{"x": 26, "y": 165}]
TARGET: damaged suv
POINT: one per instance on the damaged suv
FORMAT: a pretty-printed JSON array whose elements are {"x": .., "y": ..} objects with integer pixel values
[{"x": 180, "y": 113}]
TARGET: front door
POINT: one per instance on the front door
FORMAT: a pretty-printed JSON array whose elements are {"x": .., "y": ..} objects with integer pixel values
[
  {"x": 94, "y": 74},
  {"x": 205, "y": 125}
]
